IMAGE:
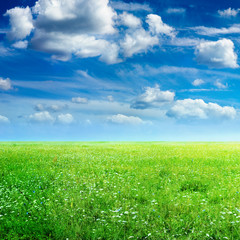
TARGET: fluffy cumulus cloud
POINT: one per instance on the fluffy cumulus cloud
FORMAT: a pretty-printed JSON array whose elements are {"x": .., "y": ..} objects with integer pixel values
[
  {"x": 21, "y": 44},
  {"x": 62, "y": 46},
  {"x": 74, "y": 16},
  {"x": 189, "y": 108},
  {"x": 219, "y": 54},
  {"x": 21, "y": 22},
  {"x": 80, "y": 100},
  {"x": 42, "y": 117},
  {"x": 137, "y": 42},
  {"x": 197, "y": 82},
  {"x": 4, "y": 119},
  {"x": 130, "y": 20},
  {"x": 157, "y": 26},
  {"x": 5, "y": 84},
  {"x": 65, "y": 118},
  {"x": 153, "y": 97},
  {"x": 122, "y": 119},
  {"x": 66, "y": 28},
  {"x": 230, "y": 12}
]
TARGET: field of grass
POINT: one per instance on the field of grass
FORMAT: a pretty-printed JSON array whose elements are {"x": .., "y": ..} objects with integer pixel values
[{"x": 119, "y": 191}]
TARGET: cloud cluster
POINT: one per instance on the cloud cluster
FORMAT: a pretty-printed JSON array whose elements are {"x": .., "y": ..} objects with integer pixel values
[
  {"x": 230, "y": 12},
  {"x": 63, "y": 28},
  {"x": 189, "y": 108},
  {"x": 65, "y": 118},
  {"x": 137, "y": 39},
  {"x": 153, "y": 97},
  {"x": 123, "y": 119},
  {"x": 41, "y": 117},
  {"x": 46, "y": 117},
  {"x": 186, "y": 108},
  {"x": 77, "y": 27},
  {"x": 217, "y": 54},
  {"x": 5, "y": 84}
]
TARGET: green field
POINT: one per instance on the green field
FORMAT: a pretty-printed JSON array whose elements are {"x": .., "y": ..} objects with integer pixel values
[{"x": 119, "y": 190}]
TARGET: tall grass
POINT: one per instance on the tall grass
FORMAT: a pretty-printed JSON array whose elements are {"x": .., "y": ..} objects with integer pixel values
[{"x": 119, "y": 191}]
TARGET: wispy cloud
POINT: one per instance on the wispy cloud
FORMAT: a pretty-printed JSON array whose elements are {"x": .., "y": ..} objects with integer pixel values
[
  {"x": 120, "y": 5},
  {"x": 176, "y": 10},
  {"x": 211, "y": 31}
]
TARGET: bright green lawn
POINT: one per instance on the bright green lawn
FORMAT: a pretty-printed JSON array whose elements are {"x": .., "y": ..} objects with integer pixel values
[{"x": 119, "y": 191}]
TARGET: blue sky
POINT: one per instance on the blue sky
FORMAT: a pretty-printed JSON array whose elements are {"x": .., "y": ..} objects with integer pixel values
[{"x": 119, "y": 70}]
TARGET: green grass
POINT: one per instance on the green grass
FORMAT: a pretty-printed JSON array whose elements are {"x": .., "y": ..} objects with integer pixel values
[{"x": 119, "y": 190}]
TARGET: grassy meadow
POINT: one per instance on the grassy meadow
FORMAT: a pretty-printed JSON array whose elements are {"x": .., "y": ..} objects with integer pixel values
[{"x": 119, "y": 190}]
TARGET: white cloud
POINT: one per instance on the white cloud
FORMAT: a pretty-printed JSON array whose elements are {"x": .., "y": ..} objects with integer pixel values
[
  {"x": 4, "y": 119},
  {"x": 172, "y": 70},
  {"x": 50, "y": 108},
  {"x": 62, "y": 46},
  {"x": 137, "y": 42},
  {"x": 21, "y": 44},
  {"x": 80, "y": 100},
  {"x": 153, "y": 97},
  {"x": 75, "y": 16},
  {"x": 65, "y": 118},
  {"x": 210, "y": 31},
  {"x": 197, "y": 82},
  {"x": 67, "y": 27},
  {"x": 176, "y": 10},
  {"x": 189, "y": 108},
  {"x": 122, "y": 119},
  {"x": 184, "y": 42},
  {"x": 220, "y": 85},
  {"x": 84, "y": 29},
  {"x": 44, "y": 116},
  {"x": 157, "y": 26},
  {"x": 219, "y": 54},
  {"x": 119, "y": 5},
  {"x": 110, "y": 54},
  {"x": 130, "y": 20},
  {"x": 21, "y": 23},
  {"x": 5, "y": 84},
  {"x": 228, "y": 12}
]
